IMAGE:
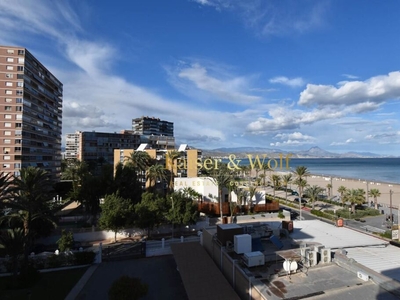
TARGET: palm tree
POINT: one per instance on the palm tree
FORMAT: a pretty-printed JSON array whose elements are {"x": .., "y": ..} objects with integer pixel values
[
  {"x": 286, "y": 180},
  {"x": 301, "y": 173},
  {"x": 75, "y": 171},
  {"x": 31, "y": 201},
  {"x": 222, "y": 180},
  {"x": 354, "y": 196},
  {"x": 5, "y": 180},
  {"x": 313, "y": 192},
  {"x": 329, "y": 187},
  {"x": 342, "y": 190},
  {"x": 172, "y": 156},
  {"x": 252, "y": 192},
  {"x": 140, "y": 160},
  {"x": 154, "y": 173},
  {"x": 262, "y": 176},
  {"x": 276, "y": 182},
  {"x": 265, "y": 168},
  {"x": 374, "y": 193}
]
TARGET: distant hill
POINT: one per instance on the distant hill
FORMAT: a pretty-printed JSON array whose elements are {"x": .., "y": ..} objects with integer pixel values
[{"x": 313, "y": 152}]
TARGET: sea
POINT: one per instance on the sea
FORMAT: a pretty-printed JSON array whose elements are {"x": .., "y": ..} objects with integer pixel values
[{"x": 375, "y": 169}]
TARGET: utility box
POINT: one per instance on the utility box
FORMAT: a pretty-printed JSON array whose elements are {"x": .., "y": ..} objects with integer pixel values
[
  {"x": 253, "y": 259},
  {"x": 242, "y": 243},
  {"x": 226, "y": 232}
]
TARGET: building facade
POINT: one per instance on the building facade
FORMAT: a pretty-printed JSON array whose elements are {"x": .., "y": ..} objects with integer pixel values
[
  {"x": 91, "y": 146},
  {"x": 30, "y": 113}
]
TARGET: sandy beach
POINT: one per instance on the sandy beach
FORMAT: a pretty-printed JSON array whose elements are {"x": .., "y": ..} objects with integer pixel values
[{"x": 336, "y": 182}]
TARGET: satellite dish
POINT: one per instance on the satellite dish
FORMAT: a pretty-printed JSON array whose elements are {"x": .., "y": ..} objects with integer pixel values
[{"x": 290, "y": 266}]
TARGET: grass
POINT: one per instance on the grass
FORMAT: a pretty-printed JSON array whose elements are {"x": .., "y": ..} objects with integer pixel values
[{"x": 51, "y": 285}]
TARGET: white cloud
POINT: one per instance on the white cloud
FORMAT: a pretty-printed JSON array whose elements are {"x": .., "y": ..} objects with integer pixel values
[
  {"x": 220, "y": 85},
  {"x": 375, "y": 90},
  {"x": 275, "y": 18},
  {"x": 349, "y": 76},
  {"x": 294, "y": 82},
  {"x": 293, "y": 139}
]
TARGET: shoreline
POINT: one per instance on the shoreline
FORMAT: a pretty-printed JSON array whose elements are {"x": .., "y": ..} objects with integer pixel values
[{"x": 352, "y": 183}]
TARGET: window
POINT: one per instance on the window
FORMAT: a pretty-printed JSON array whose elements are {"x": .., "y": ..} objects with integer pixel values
[
  {"x": 7, "y": 132},
  {"x": 18, "y": 132},
  {"x": 10, "y": 59},
  {"x": 18, "y": 141},
  {"x": 20, "y": 84},
  {"x": 6, "y": 157},
  {"x": 7, "y": 124},
  {"x": 18, "y": 108},
  {"x": 18, "y": 100},
  {"x": 20, "y": 68},
  {"x": 8, "y": 83},
  {"x": 21, "y": 60},
  {"x": 8, "y": 92},
  {"x": 6, "y": 166},
  {"x": 10, "y": 51},
  {"x": 19, "y": 92},
  {"x": 7, "y": 108},
  {"x": 21, "y": 52},
  {"x": 6, "y": 150},
  {"x": 8, "y": 117},
  {"x": 18, "y": 125},
  {"x": 9, "y": 75},
  {"x": 17, "y": 173},
  {"x": 18, "y": 117},
  {"x": 17, "y": 166},
  {"x": 20, "y": 76},
  {"x": 10, "y": 68},
  {"x": 8, "y": 100},
  {"x": 7, "y": 141}
]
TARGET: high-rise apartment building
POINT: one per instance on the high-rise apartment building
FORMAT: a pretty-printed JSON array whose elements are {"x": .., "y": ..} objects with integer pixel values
[
  {"x": 158, "y": 134},
  {"x": 30, "y": 113}
]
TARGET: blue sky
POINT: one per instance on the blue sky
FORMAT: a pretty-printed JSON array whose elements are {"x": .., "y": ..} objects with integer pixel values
[{"x": 288, "y": 74}]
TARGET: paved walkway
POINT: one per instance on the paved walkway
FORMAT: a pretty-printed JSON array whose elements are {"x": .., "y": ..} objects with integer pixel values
[{"x": 160, "y": 273}]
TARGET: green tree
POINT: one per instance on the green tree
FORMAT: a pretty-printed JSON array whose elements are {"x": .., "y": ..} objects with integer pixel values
[
  {"x": 127, "y": 288},
  {"x": 183, "y": 210},
  {"x": 286, "y": 180},
  {"x": 374, "y": 193},
  {"x": 66, "y": 241},
  {"x": 126, "y": 183},
  {"x": 117, "y": 213},
  {"x": 252, "y": 193},
  {"x": 313, "y": 192},
  {"x": 90, "y": 193},
  {"x": 5, "y": 180},
  {"x": 354, "y": 197},
  {"x": 150, "y": 211}
]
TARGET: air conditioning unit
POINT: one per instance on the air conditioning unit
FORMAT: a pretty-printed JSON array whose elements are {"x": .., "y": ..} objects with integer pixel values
[
  {"x": 325, "y": 256},
  {"x": 362, "y": 276},
  {"x": 242, "y": 243},
  {"x": 309, "y": 258},
  {"x": 253, "y": 259}
]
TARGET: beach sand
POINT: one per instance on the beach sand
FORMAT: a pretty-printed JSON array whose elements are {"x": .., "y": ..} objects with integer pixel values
[{"x": 349, "y": 183}]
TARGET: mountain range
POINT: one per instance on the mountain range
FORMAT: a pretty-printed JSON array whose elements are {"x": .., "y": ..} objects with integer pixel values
[{"x": 313, "y": 152}]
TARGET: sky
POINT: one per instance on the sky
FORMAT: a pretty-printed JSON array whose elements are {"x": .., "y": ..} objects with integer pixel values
[{"x": 285, "y": 75}]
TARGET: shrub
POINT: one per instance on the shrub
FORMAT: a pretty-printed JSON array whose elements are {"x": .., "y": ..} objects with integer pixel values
[
  {"x": 55, "y": 261},
  {"x": 66, "y": 241},
  {"x": 84, "y": 258},
  {"x": 126, "y": 287},
  {"x": 281, "y": 215}
]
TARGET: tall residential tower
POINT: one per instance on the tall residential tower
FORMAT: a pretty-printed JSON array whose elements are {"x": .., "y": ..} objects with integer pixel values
[{"x": 30, "y": 113}]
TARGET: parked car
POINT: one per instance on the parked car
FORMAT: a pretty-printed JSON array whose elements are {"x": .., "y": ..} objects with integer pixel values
[
  {"x": 302, "y": 200},
  {"x": 295, "y": 193}
]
